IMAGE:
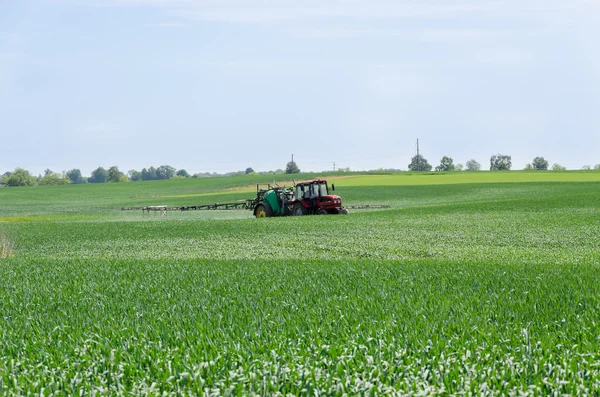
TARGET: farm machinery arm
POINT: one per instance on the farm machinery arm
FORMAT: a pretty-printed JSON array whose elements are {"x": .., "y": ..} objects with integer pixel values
[{"x": 311, "y": 197}]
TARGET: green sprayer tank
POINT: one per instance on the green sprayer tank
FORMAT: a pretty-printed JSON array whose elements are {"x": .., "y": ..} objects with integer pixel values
[{"x": 273, "y": 201}]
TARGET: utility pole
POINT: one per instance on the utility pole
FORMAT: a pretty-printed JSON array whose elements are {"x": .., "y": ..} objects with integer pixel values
[
  {"x": 418, "y": 157},
  {"x": 292, "y": 158}
]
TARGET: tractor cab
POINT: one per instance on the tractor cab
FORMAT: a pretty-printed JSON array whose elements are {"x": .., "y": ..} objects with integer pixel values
[
  {"x": 312, "y": 197},
  {"x": 311, "y": 190}
]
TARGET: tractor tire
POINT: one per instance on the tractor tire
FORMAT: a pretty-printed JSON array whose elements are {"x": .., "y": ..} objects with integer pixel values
[
  {"x": 263, "y": 211},
  {"x": 321, "y": 211},
  {"x": 299, "y": 210},
  {"x": 342, "y": 211}
]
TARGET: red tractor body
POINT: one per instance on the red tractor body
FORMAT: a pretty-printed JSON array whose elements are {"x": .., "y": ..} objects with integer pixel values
[{"x": 312, "y": 197}]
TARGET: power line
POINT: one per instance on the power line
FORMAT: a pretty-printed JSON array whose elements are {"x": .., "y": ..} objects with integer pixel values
[{"x": 418, "y": 157}]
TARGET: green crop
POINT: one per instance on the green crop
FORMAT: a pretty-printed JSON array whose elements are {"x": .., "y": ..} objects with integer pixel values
[{"x": 481, "y": 288}]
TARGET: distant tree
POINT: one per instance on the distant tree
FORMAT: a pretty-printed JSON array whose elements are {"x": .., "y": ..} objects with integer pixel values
[
  {"x": 165, "y": 172},
  {"x": 183, "y": 174},
  {"x": 115, "y": 175},
  {"x": 558, "y": 167},
  {"x": 4, "y": 178},
  {"x": 500, "y": 162},
  {"x": 51, "y": 178},
  {"x": 446, "y": 164},
  {"x": 134, "y": 175},
  {"x": 20, "y": 177},
  {"x": 99, "y": 175},
  {"x": 75, "y": 176},
  {"x": 459, "y": 167},
  {"x": 249, "y": 170},
  {"x": 419, "y": 163},
  {"x": 597, "y": 167},
  {"x": 528, "y": 167},
  {"x": 586, "y": 168},
  {"x": 473, "y": 165},
  {"x": 540, "y": 164},
  {"x": 292, "y": 168},
  {"x": 149, "y": 174}
]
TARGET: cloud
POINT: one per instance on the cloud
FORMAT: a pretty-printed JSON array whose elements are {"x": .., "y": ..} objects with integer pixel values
[
  {"x": 8, "y": 56},
  {"x": 166, "y": 25},
  {"x": 101, "y": 128},
  {"x": 287, "y": 10},
  {"x": 9, "y": 36},
  {"x": 431, "y": 35},
  {"x": 268, "y": 10}
]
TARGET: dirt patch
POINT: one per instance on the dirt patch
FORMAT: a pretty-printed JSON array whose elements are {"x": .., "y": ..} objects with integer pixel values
[{"x": 6, "y": 245}]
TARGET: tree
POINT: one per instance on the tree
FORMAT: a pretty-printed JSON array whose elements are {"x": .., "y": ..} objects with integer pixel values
[
  {"x": 473, "y": 165},
  {"x": 20, "y": 177},
  {"x": 446, "y": 164},
  {"x": 249, "y": 170},
  {"x": 165, "y": 172},
  {"x": 134, "y": 175},
  {"x": 528, "y": 167},
  {"x": 75, "y": 176},
  {"x": 292, "y": 168},
  {"x": 459, "y": 167},
  {"x": 183, "y": 174},
  {"x": 4, "y": 178},
  {"x": 51, "y": 178},
  {"x": 558, "y": 167},
  {"x": 99, "y": 175},
  {"x": 419, "y": 163},
  {"x": 586, "y": 168},
  {"x": 597, "y": 167},
  {"x": 500, "y": 162},
  {"x": 540, "y": 164},
  {"x": 115, "y": 175},
  {"x": 149, "y": 174}
]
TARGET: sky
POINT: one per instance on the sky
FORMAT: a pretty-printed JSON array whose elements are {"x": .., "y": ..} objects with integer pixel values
[{"x": 222, "y": 85}]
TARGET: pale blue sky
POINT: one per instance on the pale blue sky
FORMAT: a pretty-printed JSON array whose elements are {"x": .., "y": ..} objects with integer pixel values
[{"x": 221, "y": 85}]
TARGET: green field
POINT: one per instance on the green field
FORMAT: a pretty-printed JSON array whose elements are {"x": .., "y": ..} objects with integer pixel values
[{"x": 482, "y": 283}]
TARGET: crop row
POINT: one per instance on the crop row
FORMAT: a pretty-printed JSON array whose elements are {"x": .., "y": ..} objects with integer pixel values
[{"x": 298, "y": 327}]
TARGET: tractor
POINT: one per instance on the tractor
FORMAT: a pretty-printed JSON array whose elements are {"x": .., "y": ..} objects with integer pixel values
[{"x": 306, "y": 198}]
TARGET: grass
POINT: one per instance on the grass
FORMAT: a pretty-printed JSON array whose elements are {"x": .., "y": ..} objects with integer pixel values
[
  {"x": 446, "y": 178},
  {"x": 103, "y": 201},
  {"x": 482, "y": 288},
  {"x": 6, "y": 245}
]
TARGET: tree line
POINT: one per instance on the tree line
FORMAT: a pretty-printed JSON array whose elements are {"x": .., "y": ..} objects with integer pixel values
[
  {"x": 22, "y": 177},
  {"x": 498, "y": 162}
]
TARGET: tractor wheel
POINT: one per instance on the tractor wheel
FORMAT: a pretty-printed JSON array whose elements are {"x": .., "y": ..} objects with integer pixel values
[
  {"x": 321, "y": 211},
  {"x": 298, "y": 210},
  {"x": 262, "y": 211},
  {"x": 342, "y": 211}
]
